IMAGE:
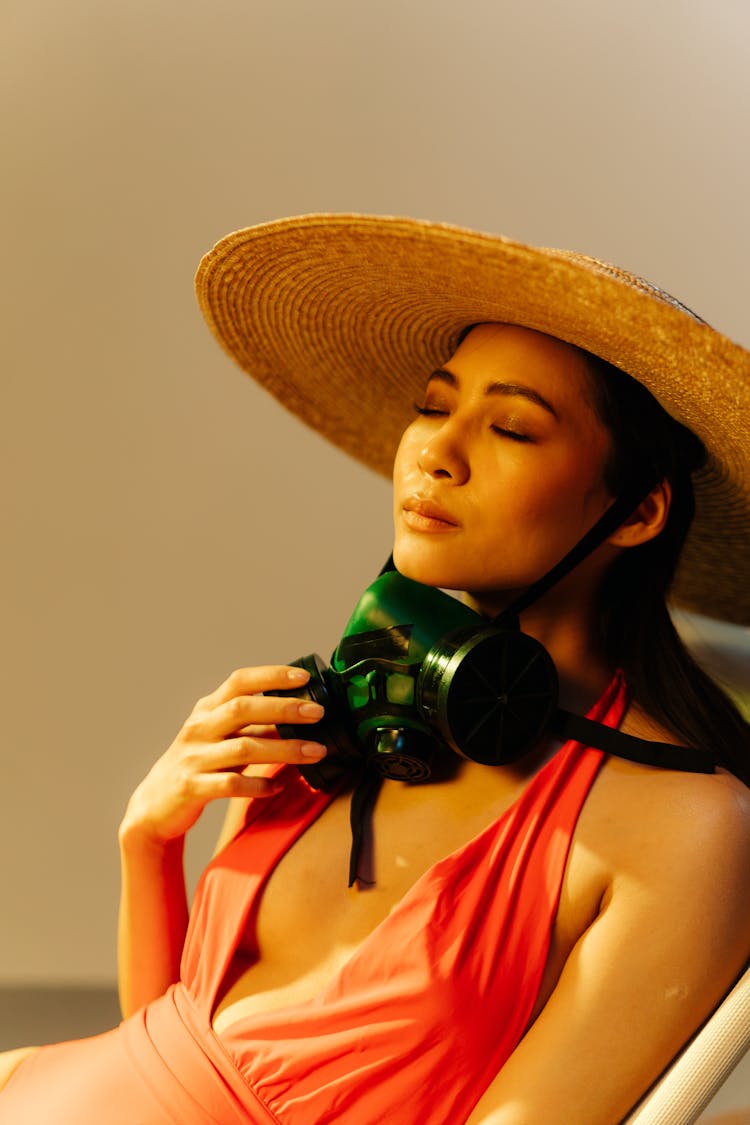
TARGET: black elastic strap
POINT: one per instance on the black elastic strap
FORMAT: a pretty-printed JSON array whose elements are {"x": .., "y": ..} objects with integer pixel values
[
  {"x": 363, "y": 801},
  {"x": 620, "y": 745},
  {"x": 615, "y": 515}
]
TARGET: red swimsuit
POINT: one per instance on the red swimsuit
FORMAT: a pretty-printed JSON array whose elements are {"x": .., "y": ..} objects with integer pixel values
[{"x": 412, "y": 1029}]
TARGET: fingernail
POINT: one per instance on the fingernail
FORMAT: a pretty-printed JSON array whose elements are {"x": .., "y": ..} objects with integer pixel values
[
  {"x": 311, "y": 710},
  {"x": 297, "y": 675},
  {"x": 313, "y": 749}
]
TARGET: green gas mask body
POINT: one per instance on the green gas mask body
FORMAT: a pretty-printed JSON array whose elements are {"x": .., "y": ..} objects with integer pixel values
[
  {"x": 417, "y": 673},
  {"x": 418, "y": 677}
]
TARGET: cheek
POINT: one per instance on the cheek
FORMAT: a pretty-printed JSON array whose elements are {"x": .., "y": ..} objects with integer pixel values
[
  {"x": 405, "y": 461},
  {"x": 572, "y": 490},
  {"x": 557, "y": 495}
]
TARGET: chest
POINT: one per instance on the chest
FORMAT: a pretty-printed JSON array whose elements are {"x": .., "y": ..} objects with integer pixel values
[
  {"x": 308, "y": 924},
  {"x": 411, "y": 830}
]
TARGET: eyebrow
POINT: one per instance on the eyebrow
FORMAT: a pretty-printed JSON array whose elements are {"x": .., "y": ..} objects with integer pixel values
[{"x": 516, "y": 389}]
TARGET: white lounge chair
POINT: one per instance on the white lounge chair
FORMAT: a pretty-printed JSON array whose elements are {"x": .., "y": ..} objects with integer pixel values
[{"x": 693, "y": 1078}]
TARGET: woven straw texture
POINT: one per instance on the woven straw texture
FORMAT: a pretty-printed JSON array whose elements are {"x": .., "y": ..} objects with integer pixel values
[
  {"x": 688, "y": 1086},
  {"x": 343, "y": 317}
]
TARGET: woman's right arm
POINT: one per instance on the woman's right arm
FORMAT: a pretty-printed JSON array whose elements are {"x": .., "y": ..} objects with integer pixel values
[{"x": 227, "y": 731}]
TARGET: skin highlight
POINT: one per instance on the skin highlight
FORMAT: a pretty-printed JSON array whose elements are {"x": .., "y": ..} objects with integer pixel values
[
  {"x": 467, "y": 497},
  {"x": 491, "y": 489},
  {"x": 507, "y": 445}
]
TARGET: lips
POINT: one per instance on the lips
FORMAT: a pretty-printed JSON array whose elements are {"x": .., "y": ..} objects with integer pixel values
[{"x": 429, "y": 512}]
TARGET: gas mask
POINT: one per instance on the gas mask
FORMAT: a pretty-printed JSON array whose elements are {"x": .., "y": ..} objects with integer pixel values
[{"x": 418, "y": 675}]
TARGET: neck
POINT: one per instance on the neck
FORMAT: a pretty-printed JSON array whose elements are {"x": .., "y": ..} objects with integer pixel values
[
  {"x": 575, "y": 648},
  {"x": 566, "y": 622}
]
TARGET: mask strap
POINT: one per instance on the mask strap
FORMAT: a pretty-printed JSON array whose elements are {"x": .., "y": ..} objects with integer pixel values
[
  {"x": 363, "y": 802},
  {"x": 621, "y": 745},
  {"x": 614, "y": 516}
]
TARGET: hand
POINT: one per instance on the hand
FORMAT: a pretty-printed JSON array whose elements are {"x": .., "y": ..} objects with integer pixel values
[{"x": 227, "y": 731}]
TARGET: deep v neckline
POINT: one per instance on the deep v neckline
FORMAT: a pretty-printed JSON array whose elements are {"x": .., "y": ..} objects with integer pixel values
[
  {"x": 248, "y": 928},
  {"x": 283, "y": 819}
]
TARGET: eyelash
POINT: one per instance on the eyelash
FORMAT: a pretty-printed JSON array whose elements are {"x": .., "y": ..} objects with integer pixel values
[{"x": 433, "y": 412}]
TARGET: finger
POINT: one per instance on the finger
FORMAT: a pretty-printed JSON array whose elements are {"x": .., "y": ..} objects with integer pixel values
[
  {"x": 250, "y": 710},
  {"x": 238, "y": 753},
  {"x": 259, "y": 730},
  {"x": 248, "y": 681},
  {"x": 212, "y": 787}
]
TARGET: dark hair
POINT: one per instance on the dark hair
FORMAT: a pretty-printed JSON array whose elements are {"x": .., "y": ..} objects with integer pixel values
[{"x": 638, "y": 633}]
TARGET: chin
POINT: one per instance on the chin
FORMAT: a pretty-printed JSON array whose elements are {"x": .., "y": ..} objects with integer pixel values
[
  {"x": 486, "y": 598},
  {"x": 434, "y": 571}
]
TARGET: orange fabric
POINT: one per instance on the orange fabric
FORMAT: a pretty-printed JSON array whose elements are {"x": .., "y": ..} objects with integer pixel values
[{"x": 413, "y": 1028}]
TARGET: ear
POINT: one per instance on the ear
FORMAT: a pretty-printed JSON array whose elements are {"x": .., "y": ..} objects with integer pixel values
[{"x": 647, "y": 520}]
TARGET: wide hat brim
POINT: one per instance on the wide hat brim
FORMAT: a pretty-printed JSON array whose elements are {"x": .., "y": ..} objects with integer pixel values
[{"x": 343, "y": 317}]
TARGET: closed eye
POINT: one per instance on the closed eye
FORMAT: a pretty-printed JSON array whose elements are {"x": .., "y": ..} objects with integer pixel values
[
  {"x": 512, "y": 434},
  {"x": 428, "y": 411},
  {"x": 438, "y": 412}
]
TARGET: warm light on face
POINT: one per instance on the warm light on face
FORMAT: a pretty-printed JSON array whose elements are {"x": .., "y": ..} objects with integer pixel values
[{"x": 500, "y": 472}]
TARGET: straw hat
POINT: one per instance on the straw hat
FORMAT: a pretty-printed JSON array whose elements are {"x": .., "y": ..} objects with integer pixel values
[{"x": 342, "y": 317}]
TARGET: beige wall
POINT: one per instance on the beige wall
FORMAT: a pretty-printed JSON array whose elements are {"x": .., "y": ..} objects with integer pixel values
[{"x": 163, "y": 521}]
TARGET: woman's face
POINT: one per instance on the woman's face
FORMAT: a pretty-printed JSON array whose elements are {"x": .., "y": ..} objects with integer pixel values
[{"x": 500, "y": 473}]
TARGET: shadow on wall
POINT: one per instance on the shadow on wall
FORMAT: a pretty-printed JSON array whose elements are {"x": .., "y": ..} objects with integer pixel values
[{"x": 34, "y": 1015}]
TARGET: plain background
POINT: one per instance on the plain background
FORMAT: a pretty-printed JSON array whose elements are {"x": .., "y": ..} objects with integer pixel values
[{"x": 164, "y": 520}]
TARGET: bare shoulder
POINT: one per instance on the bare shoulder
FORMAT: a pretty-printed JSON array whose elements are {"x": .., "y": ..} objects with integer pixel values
[
  {"x": 668, "y": 854},
  {"x": 681, "y": 837},
  {"x": 681, "y": 807}
]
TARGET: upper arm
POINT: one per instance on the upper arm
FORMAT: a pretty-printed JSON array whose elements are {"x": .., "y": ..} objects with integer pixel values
[{"x": 672, "y": 934}]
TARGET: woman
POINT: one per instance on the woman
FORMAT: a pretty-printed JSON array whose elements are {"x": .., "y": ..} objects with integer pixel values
[{"x": 525, "y": 942}]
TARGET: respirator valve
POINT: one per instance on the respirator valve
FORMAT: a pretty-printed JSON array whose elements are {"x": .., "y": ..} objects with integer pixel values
[{"x": 400, "y": 753}]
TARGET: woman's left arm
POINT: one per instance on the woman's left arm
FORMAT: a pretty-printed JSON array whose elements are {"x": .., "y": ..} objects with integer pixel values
[{"x": 672, "y": 933}]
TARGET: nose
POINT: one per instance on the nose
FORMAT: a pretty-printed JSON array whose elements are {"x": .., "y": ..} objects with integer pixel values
[{"x": 442, "y": 457}]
